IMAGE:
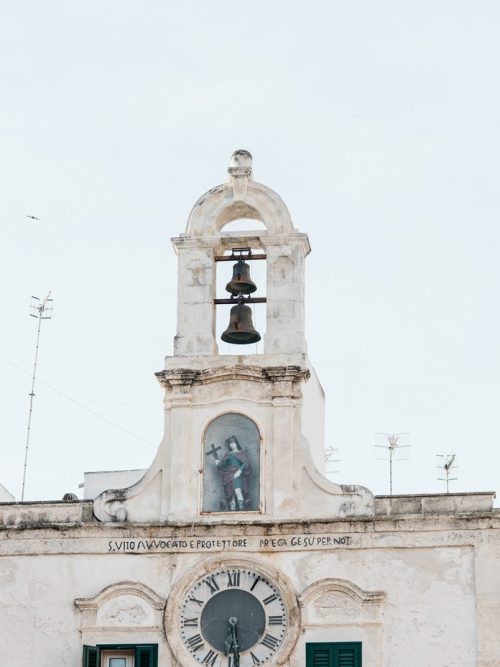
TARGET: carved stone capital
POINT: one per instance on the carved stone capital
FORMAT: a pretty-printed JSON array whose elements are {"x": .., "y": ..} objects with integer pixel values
[
  {"x": 180, "y": 379},
  {"x": 286, "y": 380}
]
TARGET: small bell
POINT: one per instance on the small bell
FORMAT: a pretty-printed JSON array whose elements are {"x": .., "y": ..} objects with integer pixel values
[
  {"x": 241, "y": 283},
  {"x": 240, "y": 330}
]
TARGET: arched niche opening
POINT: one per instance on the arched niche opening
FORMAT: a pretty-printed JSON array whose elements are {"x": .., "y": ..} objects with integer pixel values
[
  {"x": 244, "y": 225},
  {"x": 231, "y": 464},
  {"x": 258, "y": 274}
]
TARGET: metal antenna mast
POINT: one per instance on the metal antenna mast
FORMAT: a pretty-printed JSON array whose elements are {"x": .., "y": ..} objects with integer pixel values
[
  {"x": 42, "y": 310},
  {"x": 449, "y": 460},
  {"x": 395, "y": 443},
  {"x": 330, "y": 461}
]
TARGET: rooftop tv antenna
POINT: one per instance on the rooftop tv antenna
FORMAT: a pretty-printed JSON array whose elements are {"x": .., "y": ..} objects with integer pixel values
[
  {"x": 330, "y": 461},
  {"x": 393, "y": 444},
  {"x": 42, "y": 310},
  {"x": 448, "y": 466}
]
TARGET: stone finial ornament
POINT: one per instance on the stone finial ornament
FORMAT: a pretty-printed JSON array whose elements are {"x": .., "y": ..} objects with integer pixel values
[{"x": 241, "y": 164}]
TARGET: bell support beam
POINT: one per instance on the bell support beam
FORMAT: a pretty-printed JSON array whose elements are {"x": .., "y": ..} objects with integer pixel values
[
  {"x": 257, "y": 299},
  {"x": 234, "y": 258}
]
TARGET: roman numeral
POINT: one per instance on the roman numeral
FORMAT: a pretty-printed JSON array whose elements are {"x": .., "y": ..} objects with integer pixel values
[
  {"x": 257, "y": 579},
  {"x": 191, "y": 622},
  {"x": 198, "y": 602},
  {"x": 270, "y": 599},
  {"x": 274, "y": 620},
  {"x": 233, "y": 578},
  {"x": 212, "y": 584},
  {"x": 210, "y": 658},
  {"x": 255, "y": 659},
  {"x": 270, "y": 641},
  {"x": 195, "y": 642}
]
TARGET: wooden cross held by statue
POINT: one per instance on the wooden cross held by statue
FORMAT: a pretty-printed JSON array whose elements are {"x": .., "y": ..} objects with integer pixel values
[{"x": 213, "y": 451}]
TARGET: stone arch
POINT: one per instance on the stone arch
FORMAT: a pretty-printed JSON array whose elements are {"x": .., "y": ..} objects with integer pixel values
[
  {"x": 125, "y": 604},
  {"x": 226, "y": 203},
  {"x": 339, "y": 601}
]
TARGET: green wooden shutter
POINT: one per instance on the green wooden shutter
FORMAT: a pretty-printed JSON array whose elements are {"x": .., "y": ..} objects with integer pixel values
[
  {"x": 91, "y": 656},
  {"x": 347, "y": 655},
  {"x": 319, "y": 655},
  {"x": 341, "y": 654},
  {"x": 146, "y": 655}
]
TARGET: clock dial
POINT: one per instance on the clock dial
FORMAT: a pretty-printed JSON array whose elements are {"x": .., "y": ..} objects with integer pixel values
[{"x": 233, "y": 617}]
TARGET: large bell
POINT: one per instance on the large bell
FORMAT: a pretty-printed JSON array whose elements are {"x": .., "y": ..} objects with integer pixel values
[
  {"x": 241, "y": 283},
  {"x": 240, "y": 330}
]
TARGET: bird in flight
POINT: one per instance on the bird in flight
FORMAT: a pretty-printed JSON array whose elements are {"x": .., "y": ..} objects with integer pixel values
[{"x": 32, "y": 217}]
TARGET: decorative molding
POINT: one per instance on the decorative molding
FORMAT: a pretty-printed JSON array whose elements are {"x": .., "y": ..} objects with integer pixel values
[
  {"x": 339, "y": 602},
  {"x": 113, "y": 504},
  {"x": 120, "y": 589},
  {"x": 281, "y": 376},
  {"x": 125, "y": 607},
  {"x": 343, "y": 586}
]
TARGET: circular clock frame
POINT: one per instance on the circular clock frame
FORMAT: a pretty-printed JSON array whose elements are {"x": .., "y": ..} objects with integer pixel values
[{"x": 276, "y": 642}]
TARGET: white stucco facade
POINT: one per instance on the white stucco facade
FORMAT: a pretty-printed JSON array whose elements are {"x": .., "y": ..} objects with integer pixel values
[
  {"x": 410, "y": 580},
  {"x": 415, "y": 589}
]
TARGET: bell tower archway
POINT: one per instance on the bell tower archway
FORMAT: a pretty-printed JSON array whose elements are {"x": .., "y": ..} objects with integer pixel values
[{"x": 204, "y": 240}]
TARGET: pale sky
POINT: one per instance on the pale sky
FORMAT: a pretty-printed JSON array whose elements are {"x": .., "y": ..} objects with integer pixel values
[{"x": 376, "y": 122}]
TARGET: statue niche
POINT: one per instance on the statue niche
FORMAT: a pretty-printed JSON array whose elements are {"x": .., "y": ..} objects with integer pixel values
[{"x": 231, "y": 465}]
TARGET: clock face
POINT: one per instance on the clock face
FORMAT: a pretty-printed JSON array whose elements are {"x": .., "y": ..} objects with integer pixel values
[{"x": 233, "y": 617}]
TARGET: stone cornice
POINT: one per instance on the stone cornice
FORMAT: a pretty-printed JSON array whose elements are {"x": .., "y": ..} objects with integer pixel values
[
  {"x": 179, "y": 378},
  {"x": 455, "y": 521}
]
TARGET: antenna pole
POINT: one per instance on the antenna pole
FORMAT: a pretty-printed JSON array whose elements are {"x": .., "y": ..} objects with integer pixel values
[
  {"x": 394, "y": 446},
  {"x": 330, "y": 461},
  {"x": 448, "y": 465},
  {"x": 42, "y": 311},
  {"x": 391, "y": 449}
]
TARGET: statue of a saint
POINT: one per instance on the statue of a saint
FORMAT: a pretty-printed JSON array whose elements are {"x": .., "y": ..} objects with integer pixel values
[{"x": 234, "y": 469}]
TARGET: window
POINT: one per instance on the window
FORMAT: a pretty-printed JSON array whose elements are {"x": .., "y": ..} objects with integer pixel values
[
  {"x": 339, "y": 654},
  {"x": 111, "y": 661},
  {"x": 117, "y": 658},
  {"x": 121, "y": 655}
]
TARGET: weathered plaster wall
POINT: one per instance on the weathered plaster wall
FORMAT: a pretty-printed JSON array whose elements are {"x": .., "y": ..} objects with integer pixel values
[
  {"x": 416, "y": 590},
  {"x": 487, "y": 584},
  {"x": 313, "y": 418}
]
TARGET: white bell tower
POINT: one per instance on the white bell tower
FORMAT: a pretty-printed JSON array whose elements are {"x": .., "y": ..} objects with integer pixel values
[
  {"x": 285, "y": 247},
  {"x": 244, "y": 434}
]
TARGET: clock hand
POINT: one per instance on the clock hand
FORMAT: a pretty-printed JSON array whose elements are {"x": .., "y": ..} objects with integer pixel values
[
  {"x": 231, "y": 644},
  {"x": 228, "y": 644}
]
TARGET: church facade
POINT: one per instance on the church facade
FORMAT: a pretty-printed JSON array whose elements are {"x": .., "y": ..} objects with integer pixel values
[{"x": 233, "y": 549}]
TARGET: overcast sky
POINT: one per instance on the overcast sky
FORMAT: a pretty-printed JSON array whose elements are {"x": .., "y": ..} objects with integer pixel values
[{"x": 377, "y": 123}]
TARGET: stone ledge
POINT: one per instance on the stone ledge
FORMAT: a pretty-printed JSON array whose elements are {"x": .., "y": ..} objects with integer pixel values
[
  {"x": 37, "y": 514},
  {"x": 390, "y": 511},
  {"x": 434, "y": 503}
]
